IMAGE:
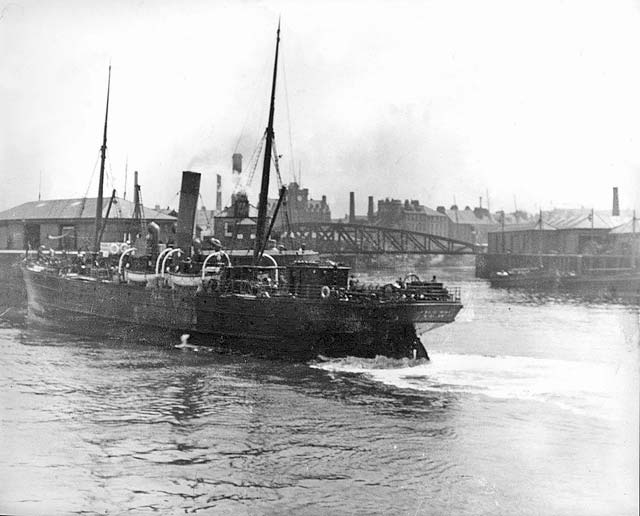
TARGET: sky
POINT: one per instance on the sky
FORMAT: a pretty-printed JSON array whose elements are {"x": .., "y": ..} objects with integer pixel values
[{"x": 531, "y": 104}]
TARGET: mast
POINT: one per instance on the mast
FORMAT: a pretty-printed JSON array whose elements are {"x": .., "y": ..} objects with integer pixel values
[
  {"x": 103, "y": 154},
  {"x": 264, "y": 187}
]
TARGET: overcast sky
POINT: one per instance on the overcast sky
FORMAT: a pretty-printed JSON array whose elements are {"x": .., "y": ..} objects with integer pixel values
[{"x": 536, "y": 101}]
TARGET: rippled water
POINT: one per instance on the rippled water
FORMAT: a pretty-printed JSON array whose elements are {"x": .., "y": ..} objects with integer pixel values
[{"x": 529, "y": 406}]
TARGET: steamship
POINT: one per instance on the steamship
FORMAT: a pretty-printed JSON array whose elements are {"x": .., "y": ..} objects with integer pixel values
[{"x": 300, "y": 310}]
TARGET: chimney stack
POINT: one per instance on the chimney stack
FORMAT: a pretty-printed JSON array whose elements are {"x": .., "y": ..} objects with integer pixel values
[
  {"x": 237, "y": 163},
  {"x": 189, "y": 192},
  {"x": 218, "y": 192},
  {"x": 615, "y": 211},
  {"x": 370, "y": 211},
  {"x": 352, "y": 207}
]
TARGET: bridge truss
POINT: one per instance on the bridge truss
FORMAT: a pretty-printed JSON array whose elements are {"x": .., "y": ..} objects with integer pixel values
[{"x": 339, "y": 238}]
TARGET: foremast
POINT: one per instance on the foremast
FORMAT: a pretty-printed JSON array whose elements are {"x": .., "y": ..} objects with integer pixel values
[
  {"x": 103, "y": 154},
  {"x": 264, "y": 187}
]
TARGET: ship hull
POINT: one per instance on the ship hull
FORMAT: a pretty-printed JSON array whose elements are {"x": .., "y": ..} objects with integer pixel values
[{"x": 283, "y": 326}]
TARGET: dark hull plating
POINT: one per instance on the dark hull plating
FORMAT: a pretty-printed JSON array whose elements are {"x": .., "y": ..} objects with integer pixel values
[{"x": 276, "y": 326}]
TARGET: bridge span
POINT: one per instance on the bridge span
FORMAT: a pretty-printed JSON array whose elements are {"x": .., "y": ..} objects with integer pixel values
[{"x": 345, "y": 238}]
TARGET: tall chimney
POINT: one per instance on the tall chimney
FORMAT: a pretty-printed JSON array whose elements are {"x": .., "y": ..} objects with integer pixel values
[
  {"x": 237, "y": 163},
  {"x": 352, "y": 207},
  {"x": 218, "y": 192},
  {"x": 370, "y": 210},
  {"x": 189, "y": 192},
  {"x": 136, "y": 199},
  {"x": 615, "y": 211}
]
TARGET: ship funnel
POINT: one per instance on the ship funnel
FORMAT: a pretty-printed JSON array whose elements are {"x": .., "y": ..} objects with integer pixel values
[
  {"x": 189, "y": 192},
  {"x": 615, "y": 210}
]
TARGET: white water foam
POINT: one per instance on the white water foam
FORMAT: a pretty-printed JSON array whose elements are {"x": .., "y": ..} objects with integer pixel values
[{"x": 592, "y": 389}]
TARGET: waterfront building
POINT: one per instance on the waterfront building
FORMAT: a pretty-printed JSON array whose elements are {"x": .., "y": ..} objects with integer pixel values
[
  {"x": 575, "y": 231},
  {"x": 299, "y": 207},
  {"x": 236, "y": 225},
  {"x": 412, "y": 216},
  {"x": 469, "y": 225},
  {"x": 69, "y": 224},
  {"x": 625, "y": 239}
]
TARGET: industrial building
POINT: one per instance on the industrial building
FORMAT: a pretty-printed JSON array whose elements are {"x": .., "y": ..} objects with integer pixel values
[
  {"x": 69, "y": 224},
  {"x": 411, "y": 216},
  {"x": 575, "y": 231},
  {"x": 469, "y": 225},
  {"x": 299, "y": 207}
]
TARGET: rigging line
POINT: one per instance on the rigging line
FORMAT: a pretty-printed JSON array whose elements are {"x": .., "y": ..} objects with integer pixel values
[
  {"x": 255, "y": 158},
  {"x": 256, "y": 94},
  {"x": 276, "y": 164},
  {"x": 143, "y": 222},
  {"x": 206, "y": 215},
  {"x": 286, "y": 213},
  {"x": 110, "y": 171},
  {"x": 84, "y": 198},
  {"x": 170, "y": 200},
  {"x": 286, "y": 97}
]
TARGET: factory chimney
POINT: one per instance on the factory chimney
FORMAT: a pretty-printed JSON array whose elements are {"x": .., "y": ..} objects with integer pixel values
[
  {"x": 352, "y": 207},
  {"x": 189, "y": 191},
  {"x": 370, "y": 210},
  {"x": 218, "y": 193},
  {"x": 615, "y": 210},
  {"x": 237, "y": 163}
]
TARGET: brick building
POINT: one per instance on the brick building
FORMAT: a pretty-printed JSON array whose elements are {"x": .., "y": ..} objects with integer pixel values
[
  {"x": 411, "y": 216},
  {"x": 300, "y": 208}
]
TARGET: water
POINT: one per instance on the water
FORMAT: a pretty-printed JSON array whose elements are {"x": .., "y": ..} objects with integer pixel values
[{"x": 529, "y": 406}]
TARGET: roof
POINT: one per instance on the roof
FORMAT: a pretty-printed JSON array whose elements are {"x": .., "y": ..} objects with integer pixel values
[
  {"x": 627, "y": 227},
  {"x": 205, "y": 218},
  {"x": 228, "y": 212},
  {"x": 423, "y": 209},
  {"x": 569, "y": 219},
  {"x": 77, "y": 209},
  {"x": 532, "y": 225},
  {"x": 468, "y": 217}
]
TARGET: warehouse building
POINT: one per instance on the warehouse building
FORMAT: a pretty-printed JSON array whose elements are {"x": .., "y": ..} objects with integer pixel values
[{"x": 69, "y": 224}]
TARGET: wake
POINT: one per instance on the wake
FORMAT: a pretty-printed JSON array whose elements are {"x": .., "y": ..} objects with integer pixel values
[{"x": 593, "y": 389}]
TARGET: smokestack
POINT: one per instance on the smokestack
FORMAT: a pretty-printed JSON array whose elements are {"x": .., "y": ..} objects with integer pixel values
[
  {"x": 370, "y": 210},
  {"x": 218, "y": 192},
  {"x": 615, "y": 211},
  {"x": 189, "y": 192},
  {"x": 352, "y": 207},
  {"x": 237, "y": 163},
  {"x": 136, "y": 198}
]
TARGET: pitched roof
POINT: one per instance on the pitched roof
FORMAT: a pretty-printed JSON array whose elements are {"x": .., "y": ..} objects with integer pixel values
[
  {"x": 423, "y": 209},
  {"x": 532, "y": 225},
  {"x": 581, "y": 219},
  {"x": 568, "y": 219},
  {"x": 468, "y": 217},
  {"x": 627, "y": 227},
  {"x": 77, "y": 209}
]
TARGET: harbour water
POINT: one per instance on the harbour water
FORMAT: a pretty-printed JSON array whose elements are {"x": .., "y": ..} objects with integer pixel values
[{"x": 529, "y": 406}]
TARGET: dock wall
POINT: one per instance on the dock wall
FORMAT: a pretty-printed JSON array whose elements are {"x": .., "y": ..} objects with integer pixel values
[{"x": 488, "y": 264}]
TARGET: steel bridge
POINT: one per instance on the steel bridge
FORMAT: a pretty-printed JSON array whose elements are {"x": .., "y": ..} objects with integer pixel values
[{"x": 344, "y": 238}]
